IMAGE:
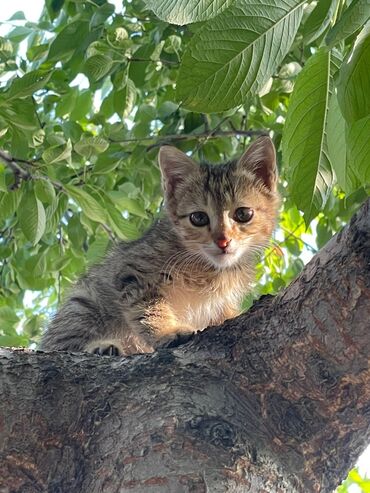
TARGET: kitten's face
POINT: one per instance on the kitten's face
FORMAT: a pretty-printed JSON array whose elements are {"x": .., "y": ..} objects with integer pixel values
[{"x": 222, "y": 212}]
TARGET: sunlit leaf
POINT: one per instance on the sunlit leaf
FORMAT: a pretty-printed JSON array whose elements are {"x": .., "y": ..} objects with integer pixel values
[
  {"x": 353, "y": 18},
  {"x": 31, "y": 217},
  {"x": 304, "y": 142},
  {"x": 187, "y": 11},
  {"x": 235, "y": 53},
  {"x": 354, "y": 80}
]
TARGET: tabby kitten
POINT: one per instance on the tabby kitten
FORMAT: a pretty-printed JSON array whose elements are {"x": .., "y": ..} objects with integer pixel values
[{"x": 190, "y": 270}]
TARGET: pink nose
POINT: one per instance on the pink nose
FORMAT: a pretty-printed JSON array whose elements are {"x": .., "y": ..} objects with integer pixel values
[{"x": 222, "y": 243}]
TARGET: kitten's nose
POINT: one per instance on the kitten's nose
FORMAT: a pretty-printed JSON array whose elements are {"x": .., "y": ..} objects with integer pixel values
[{"x": 222, "y": 243}]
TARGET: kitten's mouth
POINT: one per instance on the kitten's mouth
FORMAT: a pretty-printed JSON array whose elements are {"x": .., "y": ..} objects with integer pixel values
[{"x": 221, "y": 258}]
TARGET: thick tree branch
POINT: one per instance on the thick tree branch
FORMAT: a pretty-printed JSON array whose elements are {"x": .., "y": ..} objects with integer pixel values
[{"x": 276, "y": 400}]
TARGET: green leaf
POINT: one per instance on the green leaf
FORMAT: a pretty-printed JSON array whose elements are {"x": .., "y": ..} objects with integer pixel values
[
  {"x": 28, "y": 84},
  {"x": 97, "y": 66},
  {"x": 9, "y": 202},
  {"x": 359, "y": 149},
  {"x": 337, "y": 148},
  {"x": 97, "y": 249},
  {"x": 31, "y": 217},
  {"x": 6, "y": 48},
  {"x": 8, "y": 319},
  {"x": 19, "y": 34},
  {"x": 44, "y": 191},
  {"x": 353, "y": 18},
  {"x": 319, "y": 19},
  {"x": 57, "y": 153},
  {"x": 126, "y": 204},
  {"x": 234, "y": 54},
  {"x": 304, "y": 137},
  {"x": 18, "y": 16},
  {"x": 70, "y": 38},
  {"x": 13, "y": 341},
  {"x": 354, "y": 80},
  {"x": 88, "y": 204},
  {"x": 91, "y": 145},
  {"x": 187, "y": 11},
  {"x": 101, "y": 14},
  {"x": 124, "y": 229},
  {"x": 124, "y": 100}
]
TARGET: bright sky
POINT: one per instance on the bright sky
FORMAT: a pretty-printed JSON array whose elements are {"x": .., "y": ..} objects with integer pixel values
[{"x": 32, "y": 10}]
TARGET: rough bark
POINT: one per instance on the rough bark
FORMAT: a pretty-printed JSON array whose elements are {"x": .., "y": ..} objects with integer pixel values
[{"x": 276, "y": 400}]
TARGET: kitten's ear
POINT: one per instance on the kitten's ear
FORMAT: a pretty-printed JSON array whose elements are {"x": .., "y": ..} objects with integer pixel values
[
  {"x": 175, "y": 167},
  {"x": 260, "y": 160}
]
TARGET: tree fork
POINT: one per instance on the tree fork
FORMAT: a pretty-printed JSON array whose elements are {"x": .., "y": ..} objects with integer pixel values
[{"x": 276, "y": 400}]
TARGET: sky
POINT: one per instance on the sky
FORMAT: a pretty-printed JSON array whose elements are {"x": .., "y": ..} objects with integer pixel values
[{"x": 32, "y": 10}]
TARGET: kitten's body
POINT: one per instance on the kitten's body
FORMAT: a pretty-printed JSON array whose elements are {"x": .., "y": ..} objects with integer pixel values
[{"x": 176, "y": 278}]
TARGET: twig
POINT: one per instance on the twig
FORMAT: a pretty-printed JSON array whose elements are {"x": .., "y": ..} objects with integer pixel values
[
  {"x": 138, "y": 59},
  {"x": 18, "y": 172},
  {"x": 23, "y": 174},
  {"x": 213, "y": 134}
]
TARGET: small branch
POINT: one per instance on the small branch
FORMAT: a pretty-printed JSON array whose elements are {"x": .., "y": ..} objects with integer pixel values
[
  {"x": 165, "y": 62},
  {"x": 213, "y": 134},
  {"x": 22, "y": 174},
  {"x": 19, "y": 173}
]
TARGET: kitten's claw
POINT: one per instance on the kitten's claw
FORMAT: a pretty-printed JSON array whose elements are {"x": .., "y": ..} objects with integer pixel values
[{"x": 110, "y": 350}]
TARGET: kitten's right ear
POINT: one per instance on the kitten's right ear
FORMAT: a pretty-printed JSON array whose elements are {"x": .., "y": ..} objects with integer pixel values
[{"x": 175, "y": 167}]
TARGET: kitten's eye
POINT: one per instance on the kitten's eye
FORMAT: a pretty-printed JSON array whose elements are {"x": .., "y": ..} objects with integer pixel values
[
  {"x": 199, "y": 218},
  {"x": 243, "y": 214}
]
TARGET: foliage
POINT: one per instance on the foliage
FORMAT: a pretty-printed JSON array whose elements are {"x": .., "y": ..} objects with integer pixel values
[
  {"x": 90, "y": 92},
  {"x": 355, "y": 483}
]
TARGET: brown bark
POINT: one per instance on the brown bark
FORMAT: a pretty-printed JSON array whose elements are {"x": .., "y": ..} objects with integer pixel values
[{"x": 276, "y": 400}]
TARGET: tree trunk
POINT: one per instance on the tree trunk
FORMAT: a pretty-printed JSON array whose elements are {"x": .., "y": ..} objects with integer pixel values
[{"x": 276, "y": 400}]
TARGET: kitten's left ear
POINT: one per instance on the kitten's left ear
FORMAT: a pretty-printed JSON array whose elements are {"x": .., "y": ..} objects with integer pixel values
[
  {"x": 175, "y": 167},
  {"x": 260, "y": 160}
]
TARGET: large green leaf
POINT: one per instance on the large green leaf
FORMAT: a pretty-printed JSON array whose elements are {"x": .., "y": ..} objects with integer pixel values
[
  {"x": 97, "y": 66},
  {"x": 57, "y": 153},
  {"x": 88, "y": 146},
  {"x": 353, "y": 18},
  {"x": 304, "y": 142},
  {"x": 359, "y": 149},
  {"x": 9, "y": 202},
  {"x": 28, "y": 84},
  {"x": 354, "y": 81},
  {"x": 337, "y": 148},
  {"x": 319, "y": 19},
  {"x": 234, "y": 54},
  {"x": 70, "y": 38},
  {"x": 124, "y": 99},
  {"x": 31, "y": 217},
  {"x": 187, "y": 11}
]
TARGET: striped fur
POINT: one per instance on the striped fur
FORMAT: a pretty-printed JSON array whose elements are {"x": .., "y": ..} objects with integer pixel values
[{"x": 175, "y": 279}]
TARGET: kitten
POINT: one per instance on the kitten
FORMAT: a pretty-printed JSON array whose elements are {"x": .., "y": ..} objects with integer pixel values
[{"x": 190, "y": 270}]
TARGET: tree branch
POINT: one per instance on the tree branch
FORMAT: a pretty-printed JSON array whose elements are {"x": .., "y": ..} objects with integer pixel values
[
  {"x": 212, "y": 134},
  {"x": 18, "y": 172},
  {"x": 276, "y": 400}
]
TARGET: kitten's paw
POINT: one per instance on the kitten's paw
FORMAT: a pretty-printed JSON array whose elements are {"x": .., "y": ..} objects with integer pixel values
[
  {"x": 107, "y": 351},
  {"x": 105, "y": 348}
]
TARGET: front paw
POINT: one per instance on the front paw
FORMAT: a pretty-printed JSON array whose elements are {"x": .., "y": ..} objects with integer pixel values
[{"x": 107, "y": 350}]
